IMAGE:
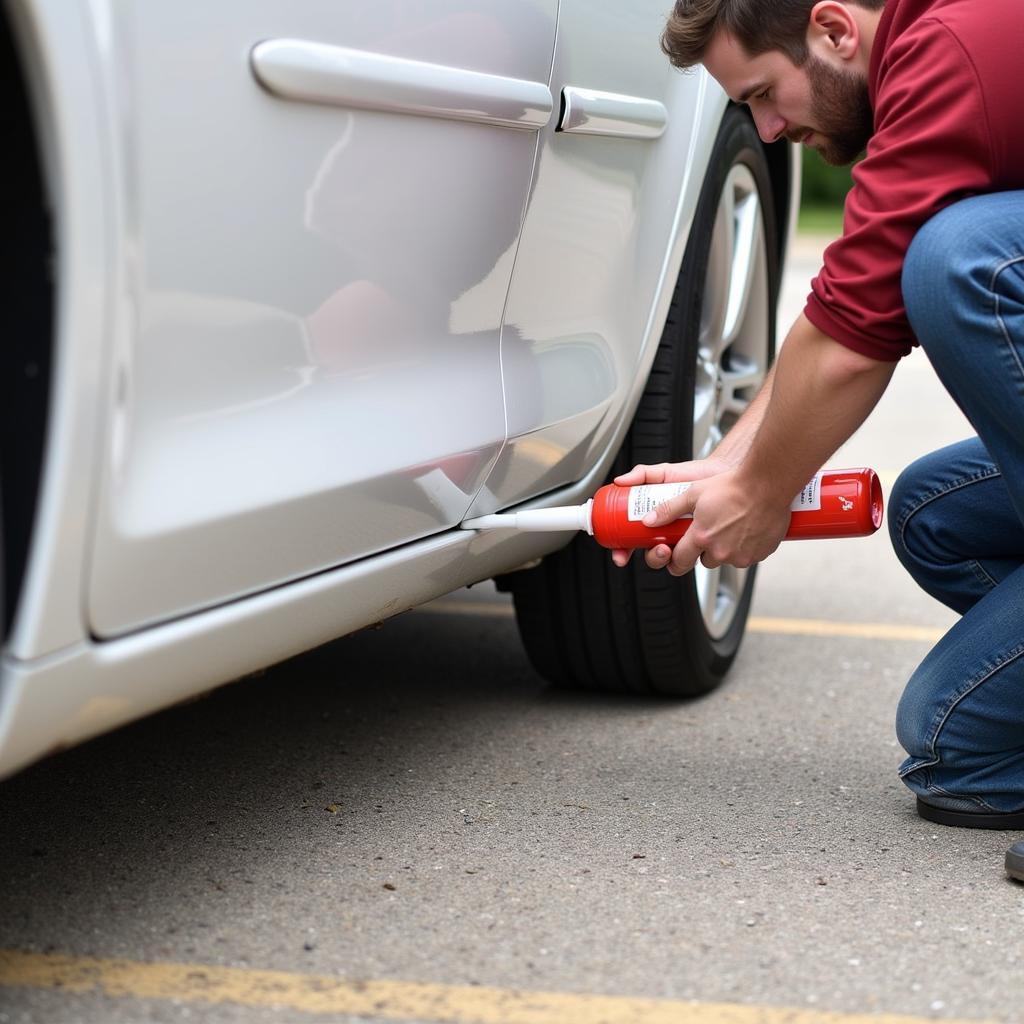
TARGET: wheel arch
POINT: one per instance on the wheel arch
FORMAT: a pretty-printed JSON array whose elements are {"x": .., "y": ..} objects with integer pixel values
[
  {"x": 68, "y": 103},
  {"x": 27, "y": 293}
]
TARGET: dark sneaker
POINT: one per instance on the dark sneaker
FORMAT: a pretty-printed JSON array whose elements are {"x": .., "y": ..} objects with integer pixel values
[
  {"x": 1015, "y": 861},
  {"x": 1012, "y": 820}
]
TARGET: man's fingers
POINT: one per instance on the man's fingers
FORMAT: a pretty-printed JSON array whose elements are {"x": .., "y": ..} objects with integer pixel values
[
  {"x": 620, "y": 556},
  {"x": 658, "y": 557},
  {"x": 643, "y": 475},
  {"x": 671, "y": 472},
  {"x": 684, "y": 557},
  {"x": 673, "y": 509}
]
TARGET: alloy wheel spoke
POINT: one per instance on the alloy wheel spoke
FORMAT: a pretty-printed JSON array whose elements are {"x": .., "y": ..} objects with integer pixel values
[
  {"x": 707, "y": 594},
  {"x": 739, "y": 383},
  {"x": 705, "y": 415},
  {"x": 748, "y": 249},
  {"x": 717, "y": 280}
]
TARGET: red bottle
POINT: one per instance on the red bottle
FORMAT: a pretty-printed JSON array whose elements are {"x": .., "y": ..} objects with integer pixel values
[{"x": 836, "y": 503}]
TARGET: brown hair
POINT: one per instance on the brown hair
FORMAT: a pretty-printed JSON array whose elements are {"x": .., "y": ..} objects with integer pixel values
[{"x": 757, "y": 25}]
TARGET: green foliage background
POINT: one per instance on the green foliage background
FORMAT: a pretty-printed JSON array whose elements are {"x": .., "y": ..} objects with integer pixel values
[{"x": 821, "y": 199}]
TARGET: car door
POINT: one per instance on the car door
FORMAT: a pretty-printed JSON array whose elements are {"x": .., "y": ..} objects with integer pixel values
[
  {"x": 321, "y": 203},
  {"x": 599, "y": 237}
]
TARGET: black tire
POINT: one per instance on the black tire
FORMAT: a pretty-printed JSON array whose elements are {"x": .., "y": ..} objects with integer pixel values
[{"x": 586, "y": 623}]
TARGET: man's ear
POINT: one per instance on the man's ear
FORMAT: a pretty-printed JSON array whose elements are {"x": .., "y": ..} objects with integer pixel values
[{"x": 833, "y": 32}]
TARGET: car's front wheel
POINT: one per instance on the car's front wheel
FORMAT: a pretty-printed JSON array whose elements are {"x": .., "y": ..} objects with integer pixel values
[{"x": 585, "y": 622}]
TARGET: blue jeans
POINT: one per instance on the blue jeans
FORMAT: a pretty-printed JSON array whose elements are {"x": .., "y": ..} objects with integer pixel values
[{"x": 956, "y": 516}]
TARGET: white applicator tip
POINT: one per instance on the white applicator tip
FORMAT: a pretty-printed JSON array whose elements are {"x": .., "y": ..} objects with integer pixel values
[
  {"x": 495, "y": 522},
  {"x": 536, "y": 520}
]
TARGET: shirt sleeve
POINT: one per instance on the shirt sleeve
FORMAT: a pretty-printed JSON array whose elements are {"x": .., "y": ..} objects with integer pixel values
[{"x": 930, "y": 148}]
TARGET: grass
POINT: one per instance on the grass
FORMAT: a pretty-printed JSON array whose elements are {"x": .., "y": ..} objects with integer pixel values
[{"x": 820, "y": 220}]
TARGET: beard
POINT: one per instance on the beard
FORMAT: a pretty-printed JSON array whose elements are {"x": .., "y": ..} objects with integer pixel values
[{"x": 842, "y": 110}]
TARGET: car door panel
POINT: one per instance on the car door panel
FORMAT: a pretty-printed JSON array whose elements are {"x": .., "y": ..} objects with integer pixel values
[{"x": 307, "y": 359}]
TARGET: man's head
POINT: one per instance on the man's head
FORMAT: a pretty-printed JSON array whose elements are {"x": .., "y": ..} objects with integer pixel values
[{"x": 801, "y": 65}]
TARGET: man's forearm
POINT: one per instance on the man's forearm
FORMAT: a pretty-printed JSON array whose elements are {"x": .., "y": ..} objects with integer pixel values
[{"x": 819, "y": 394}]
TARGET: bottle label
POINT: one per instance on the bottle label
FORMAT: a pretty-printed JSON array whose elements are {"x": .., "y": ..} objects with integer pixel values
[
  {"x": 809, "y": 499},
  {"x": 647, "y": 497}
]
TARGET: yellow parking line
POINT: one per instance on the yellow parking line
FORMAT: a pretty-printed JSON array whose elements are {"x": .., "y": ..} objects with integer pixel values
[
  {"x": 862, "y": 630},
  {"x": 756, "y": 624},
  {"x": 385, "y": 1000}
]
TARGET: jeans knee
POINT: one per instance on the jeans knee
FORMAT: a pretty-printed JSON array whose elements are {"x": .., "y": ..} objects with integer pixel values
[
  {"x": 914, "y": 717},
  {"x": 902, "y": 496},
  {"x": 905, "y": 500},
  {"x": 948, "y": 267},
  {"x": 930, "y": 273},
  {"x": 918, "y": 264}
]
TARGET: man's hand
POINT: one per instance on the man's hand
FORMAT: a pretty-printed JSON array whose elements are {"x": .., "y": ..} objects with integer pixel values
[
  {"x": 731, "y": 525},
  {"x": 667, "y": 473}
]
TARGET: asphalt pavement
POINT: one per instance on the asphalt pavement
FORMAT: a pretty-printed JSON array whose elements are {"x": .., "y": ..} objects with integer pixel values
[{"x": 409, "y": 825}]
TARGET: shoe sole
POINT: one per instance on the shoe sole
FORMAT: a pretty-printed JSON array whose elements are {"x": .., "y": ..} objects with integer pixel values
[
  {"x": 1010, "y": 821},
  {"x": 1015, "y": 861}
]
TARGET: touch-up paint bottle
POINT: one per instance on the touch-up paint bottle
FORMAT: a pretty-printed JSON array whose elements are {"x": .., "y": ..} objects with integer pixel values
[{"x": 836, "y": 503}]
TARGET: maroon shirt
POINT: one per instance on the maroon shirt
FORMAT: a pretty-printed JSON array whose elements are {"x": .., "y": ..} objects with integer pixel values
[{"x": 946, "y": 83}]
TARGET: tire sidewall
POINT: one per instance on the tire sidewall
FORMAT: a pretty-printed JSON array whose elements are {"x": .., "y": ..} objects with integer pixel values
[{"x": 737, "y": 143}]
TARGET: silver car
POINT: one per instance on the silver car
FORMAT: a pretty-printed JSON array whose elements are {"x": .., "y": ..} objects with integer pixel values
[{"x": 294, "y": 288}]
